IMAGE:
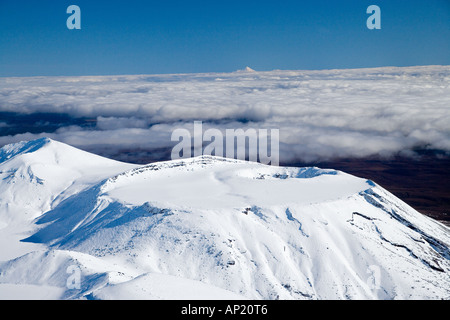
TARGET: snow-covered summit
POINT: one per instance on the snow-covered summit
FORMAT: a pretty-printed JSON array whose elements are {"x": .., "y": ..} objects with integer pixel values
[
  {"x": 229, "y": 227},
  {"x": 11, "y": 150},
  {"x": 35, "y": 175},
  {"x": 51, "y": 152},
  {"x": 246, "y": 69}
]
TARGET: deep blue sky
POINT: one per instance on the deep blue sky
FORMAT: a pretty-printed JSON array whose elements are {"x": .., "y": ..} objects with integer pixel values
[{"x": 148, "y": 37}]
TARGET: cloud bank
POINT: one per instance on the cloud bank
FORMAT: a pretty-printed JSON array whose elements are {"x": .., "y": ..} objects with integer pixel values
[{"x": 321, "y": 115}]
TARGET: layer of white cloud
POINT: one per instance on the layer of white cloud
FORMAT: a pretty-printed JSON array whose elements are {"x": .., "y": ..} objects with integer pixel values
[{"x": 320, "y": 114}]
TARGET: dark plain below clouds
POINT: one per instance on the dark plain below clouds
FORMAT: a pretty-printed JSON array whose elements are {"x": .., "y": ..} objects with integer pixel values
[
  {"x": 321, "y": 115},
  {"x": 386, "y": 124}
]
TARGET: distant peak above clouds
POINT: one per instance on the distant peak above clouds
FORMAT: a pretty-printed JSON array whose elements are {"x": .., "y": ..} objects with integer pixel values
[
  {"x": 246, "y": 69},
  {"x": 321, "y": 115}
]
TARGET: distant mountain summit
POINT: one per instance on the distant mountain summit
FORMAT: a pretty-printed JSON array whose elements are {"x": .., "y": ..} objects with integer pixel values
[
  {"x": 247, "y": 69},
  {"x": 208, "y": 227}
]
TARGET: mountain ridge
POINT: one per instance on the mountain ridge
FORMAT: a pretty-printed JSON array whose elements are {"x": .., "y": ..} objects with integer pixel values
[{"x": 242, "y": 228}]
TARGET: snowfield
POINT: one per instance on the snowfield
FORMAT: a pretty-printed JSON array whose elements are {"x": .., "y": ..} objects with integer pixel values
[{"x": 74, "y": 225}]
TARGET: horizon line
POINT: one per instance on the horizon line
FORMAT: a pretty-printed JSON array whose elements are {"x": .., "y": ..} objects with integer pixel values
[{"x": 241, "y": 71}]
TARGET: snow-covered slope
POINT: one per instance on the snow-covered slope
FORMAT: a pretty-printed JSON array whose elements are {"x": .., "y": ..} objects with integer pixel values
[
  {"x": 36, "y": 175},
  {"x": 220, "y": 229}
]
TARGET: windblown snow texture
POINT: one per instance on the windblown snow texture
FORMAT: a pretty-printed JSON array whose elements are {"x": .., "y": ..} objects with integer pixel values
[{"x": 207, "y": 228}]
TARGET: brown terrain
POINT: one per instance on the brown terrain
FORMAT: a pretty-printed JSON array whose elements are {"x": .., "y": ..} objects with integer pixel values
[{"x": 422, "y": 183}]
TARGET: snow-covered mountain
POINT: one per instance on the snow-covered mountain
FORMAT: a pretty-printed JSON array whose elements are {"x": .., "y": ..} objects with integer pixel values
[{"x": 206, "y": 228}]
